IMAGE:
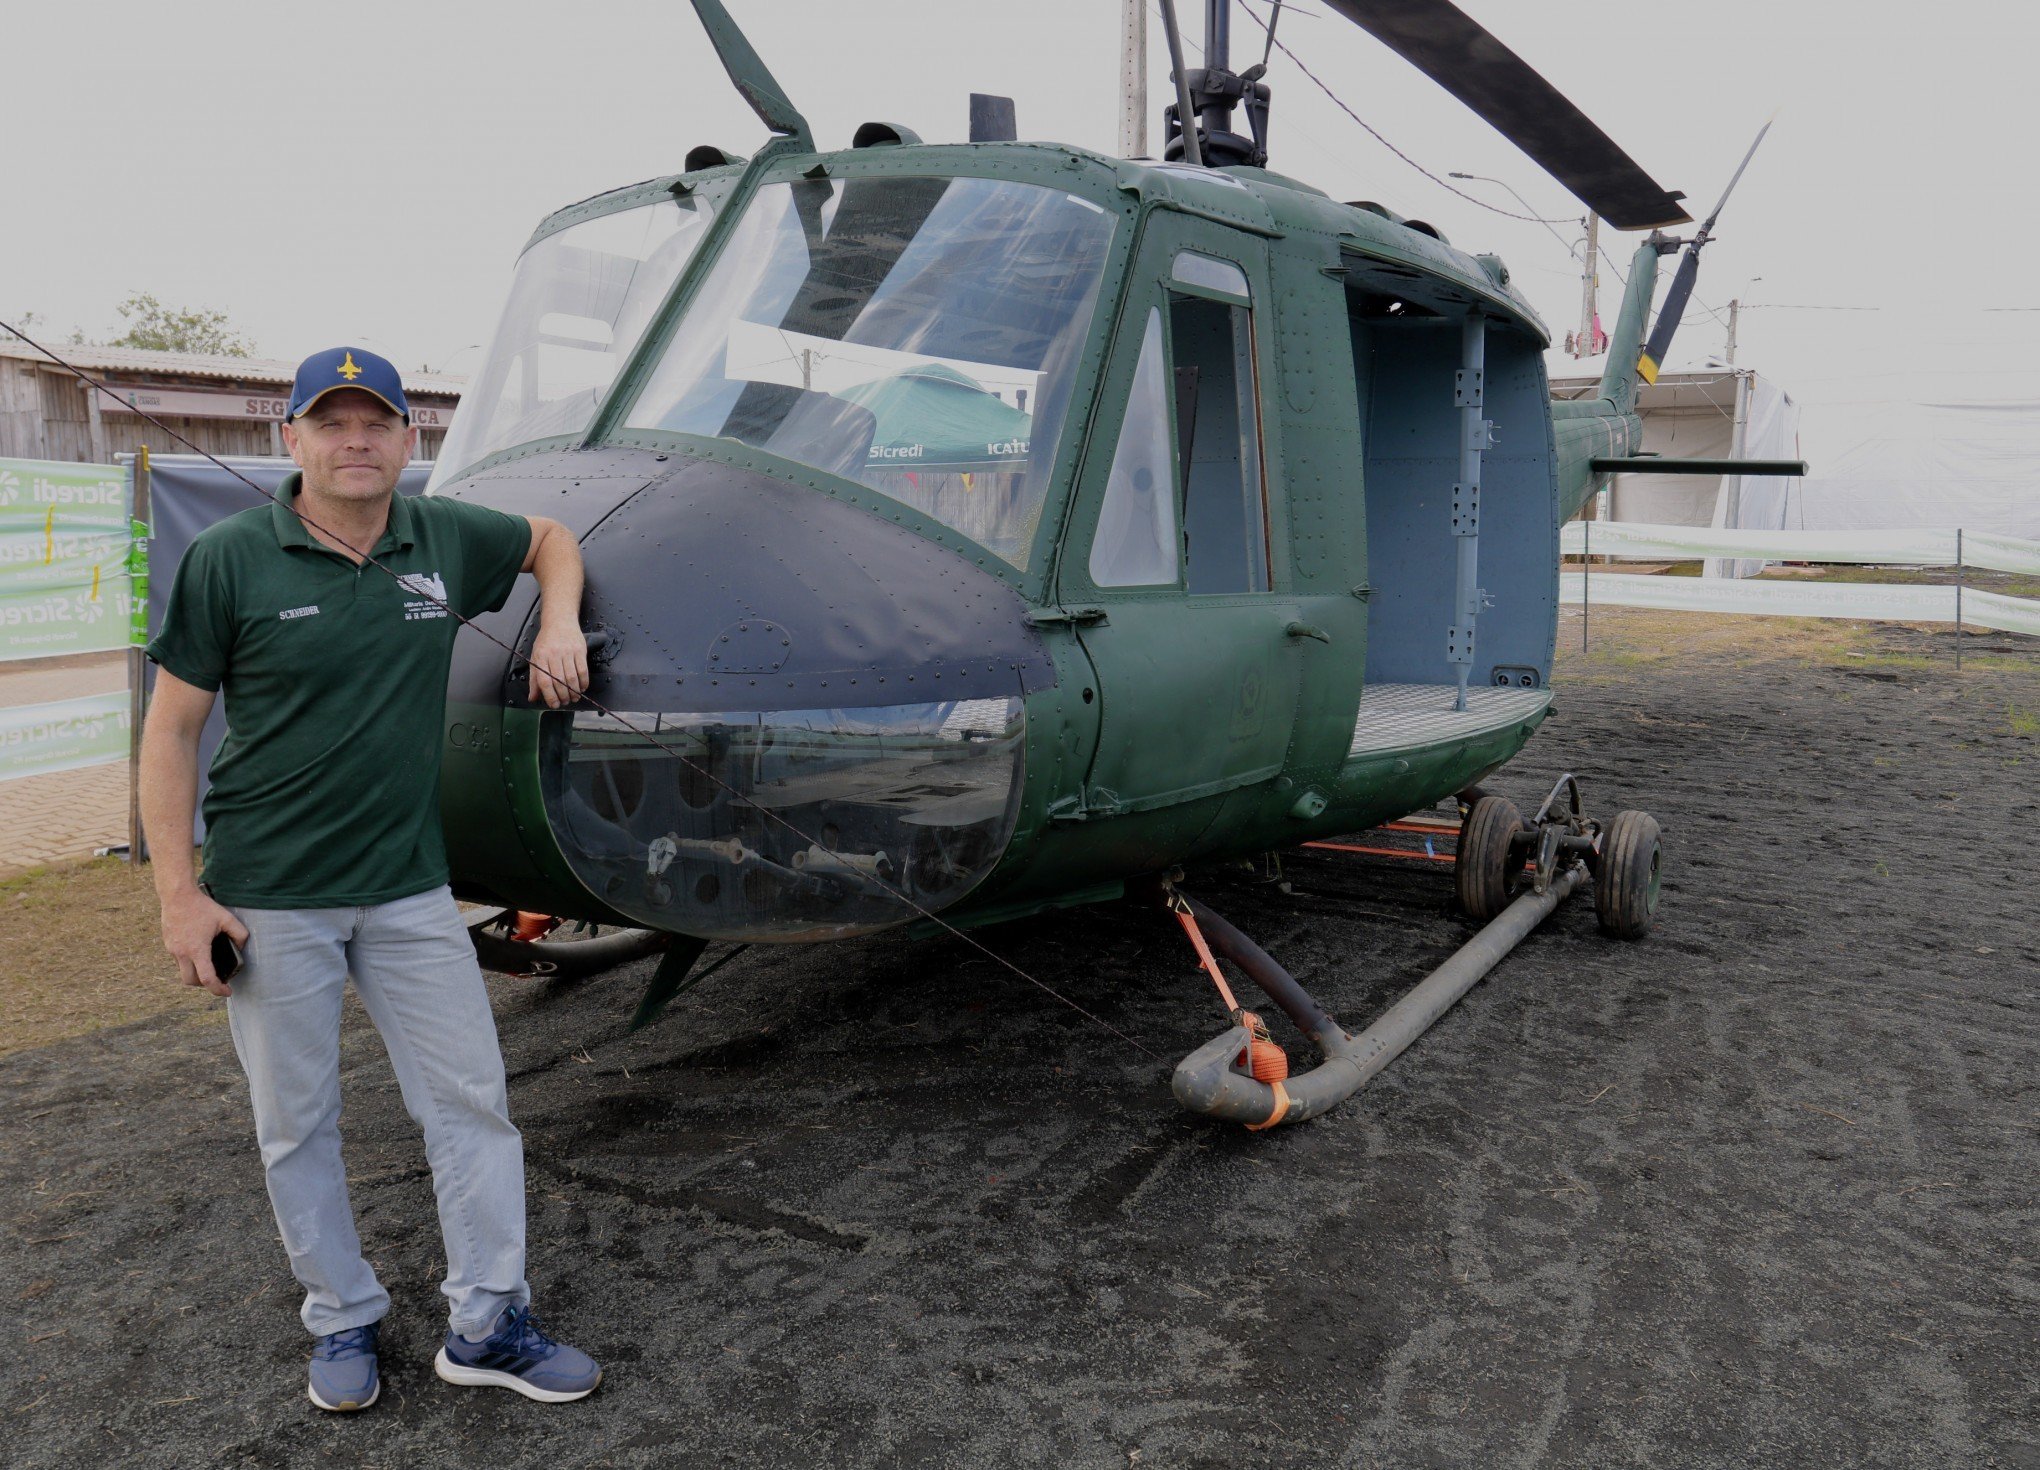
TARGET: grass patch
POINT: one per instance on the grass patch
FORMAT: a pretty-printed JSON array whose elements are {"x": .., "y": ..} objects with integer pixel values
[
  {"x": 2009, "y": 584},
  {"x": 80, "y": 948},
  {"x": 2022, "y": 721}
]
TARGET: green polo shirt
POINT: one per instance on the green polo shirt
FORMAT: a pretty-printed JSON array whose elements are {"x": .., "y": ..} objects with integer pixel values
[{"x": 325, "y": 793}]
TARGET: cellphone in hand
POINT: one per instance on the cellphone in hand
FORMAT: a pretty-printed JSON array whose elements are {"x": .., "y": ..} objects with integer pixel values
[{"x": 226, "y": 957}]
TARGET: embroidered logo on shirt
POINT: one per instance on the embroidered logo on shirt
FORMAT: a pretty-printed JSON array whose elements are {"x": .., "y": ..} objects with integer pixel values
[
  {"x": 429, "y": 588},
  {"x": 298, "y": 612}
]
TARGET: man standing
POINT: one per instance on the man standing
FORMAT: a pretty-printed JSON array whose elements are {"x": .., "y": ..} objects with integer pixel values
[{"x": 324, "y": 857}]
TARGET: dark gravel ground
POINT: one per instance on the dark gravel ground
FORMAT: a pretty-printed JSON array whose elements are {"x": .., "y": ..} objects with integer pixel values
[{"x": 1759, "y": 1190}]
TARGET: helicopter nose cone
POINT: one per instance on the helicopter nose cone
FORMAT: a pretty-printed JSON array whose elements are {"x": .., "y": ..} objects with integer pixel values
[
  {"x": 815, "y": 717},
  {"x": 719, "y": 587}
]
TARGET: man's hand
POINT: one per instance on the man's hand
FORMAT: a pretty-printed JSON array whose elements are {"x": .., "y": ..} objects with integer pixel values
[
  {"x": 559, "y": 657},
  {"x": 189, "y": 923},
  {"x": 559, "y": 666}
]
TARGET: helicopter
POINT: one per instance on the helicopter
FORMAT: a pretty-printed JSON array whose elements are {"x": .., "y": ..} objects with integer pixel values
[{"x": 978, "y": 529}]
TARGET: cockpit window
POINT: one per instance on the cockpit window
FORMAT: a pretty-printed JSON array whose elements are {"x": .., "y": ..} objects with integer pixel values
[
  {"x": 578, "y": 304},
  {"x": 919, "y": 335}
]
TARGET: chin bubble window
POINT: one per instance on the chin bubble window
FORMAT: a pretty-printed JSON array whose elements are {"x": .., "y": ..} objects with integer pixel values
[{"x": 795, "y": 824}]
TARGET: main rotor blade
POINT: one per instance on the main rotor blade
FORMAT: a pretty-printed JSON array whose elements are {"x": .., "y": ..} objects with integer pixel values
[{"x": 1453, "y": 50}]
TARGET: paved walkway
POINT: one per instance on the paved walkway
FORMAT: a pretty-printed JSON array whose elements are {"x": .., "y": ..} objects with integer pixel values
[{"x": 69, "y": 814}]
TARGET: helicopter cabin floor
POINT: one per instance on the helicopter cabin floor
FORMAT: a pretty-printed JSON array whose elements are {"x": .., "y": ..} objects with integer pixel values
[
  {"x": 1758, "y": 1190},
  {"x": 1395, "y": 717}
]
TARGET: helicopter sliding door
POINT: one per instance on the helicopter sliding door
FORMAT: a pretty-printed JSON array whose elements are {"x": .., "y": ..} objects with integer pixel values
[{"x": 1175, "y": 569}]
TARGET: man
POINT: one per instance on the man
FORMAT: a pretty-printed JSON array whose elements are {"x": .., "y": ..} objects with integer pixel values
[{"x": 324, "y": 857}]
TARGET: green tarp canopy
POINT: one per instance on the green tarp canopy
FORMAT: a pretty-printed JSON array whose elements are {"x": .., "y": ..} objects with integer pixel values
[{"x": 935, "y": 418}]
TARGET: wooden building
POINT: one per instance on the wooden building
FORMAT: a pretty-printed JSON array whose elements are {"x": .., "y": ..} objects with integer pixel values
[{"x": 224, "y": 405}]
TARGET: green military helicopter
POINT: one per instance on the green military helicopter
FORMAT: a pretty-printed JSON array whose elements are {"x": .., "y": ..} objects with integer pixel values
[{"x": 976, "y": 529}]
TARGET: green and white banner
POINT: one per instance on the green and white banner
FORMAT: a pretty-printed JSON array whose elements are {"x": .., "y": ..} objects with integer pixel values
[
  {"x": 43, "y": 623},
  {"x": 36, "y": 739},
  {"x": 67, "y": 559}
]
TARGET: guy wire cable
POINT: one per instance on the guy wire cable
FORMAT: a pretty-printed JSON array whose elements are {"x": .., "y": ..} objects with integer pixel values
[{"x": 622, "y": 720}]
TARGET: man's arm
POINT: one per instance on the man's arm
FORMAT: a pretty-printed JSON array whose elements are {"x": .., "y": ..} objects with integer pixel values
[
  {"x": 169, "y": 793},
  {"x": 559, "y": 656}
]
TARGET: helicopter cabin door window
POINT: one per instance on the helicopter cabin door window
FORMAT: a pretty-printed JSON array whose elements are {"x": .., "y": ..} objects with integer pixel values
[
  {"x": 1218, "y": 427},
  {"x": 1137, "y": 544}
]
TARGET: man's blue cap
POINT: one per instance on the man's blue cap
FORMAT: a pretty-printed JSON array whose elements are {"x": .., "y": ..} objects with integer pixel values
[{"x": 347, "y": 367}]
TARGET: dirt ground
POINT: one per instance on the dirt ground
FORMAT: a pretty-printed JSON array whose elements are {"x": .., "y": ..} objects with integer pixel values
[{"x": 1758, "y": 1190}]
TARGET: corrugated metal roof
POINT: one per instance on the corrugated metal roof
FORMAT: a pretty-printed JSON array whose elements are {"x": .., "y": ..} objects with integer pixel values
[
  {"x": 1680, "y": 388},
  {"x": 206, "y": 365}
]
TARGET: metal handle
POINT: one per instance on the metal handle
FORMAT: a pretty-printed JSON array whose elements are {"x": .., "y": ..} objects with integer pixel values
[{"x": 1307, "y": 630}]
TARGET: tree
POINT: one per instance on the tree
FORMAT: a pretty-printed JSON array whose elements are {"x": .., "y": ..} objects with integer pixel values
[{"x": 160, "y": 328}]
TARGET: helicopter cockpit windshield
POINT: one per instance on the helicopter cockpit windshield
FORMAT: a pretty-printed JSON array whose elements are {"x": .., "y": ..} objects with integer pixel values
[
  {"x": 578, "y": 304},
  {"x": 916, "y": 334}
]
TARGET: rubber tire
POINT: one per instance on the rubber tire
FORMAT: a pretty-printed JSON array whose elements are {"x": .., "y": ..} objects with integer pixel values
[
  {"x": 1483, "y": 875},
  {"x": 1627, "y": 875}
]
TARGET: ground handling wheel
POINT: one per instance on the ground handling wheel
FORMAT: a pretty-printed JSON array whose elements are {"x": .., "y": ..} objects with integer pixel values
[
  {"x": 1486, "y": 871},
  {"x": 1626, "y": 881}
]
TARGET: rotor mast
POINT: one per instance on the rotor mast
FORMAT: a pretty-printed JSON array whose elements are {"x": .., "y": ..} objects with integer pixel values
[{"x": 1207, "y": 96}]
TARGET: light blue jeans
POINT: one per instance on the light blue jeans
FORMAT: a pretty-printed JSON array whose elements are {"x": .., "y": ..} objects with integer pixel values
[{"x": 414, "y": 969}]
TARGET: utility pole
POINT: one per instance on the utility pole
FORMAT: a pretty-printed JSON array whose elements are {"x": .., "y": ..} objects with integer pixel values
[
  {"x": 1585, "y": 344},
  {"x": 1132, "y": 78},
  {"x": 1734, "y": 310}
]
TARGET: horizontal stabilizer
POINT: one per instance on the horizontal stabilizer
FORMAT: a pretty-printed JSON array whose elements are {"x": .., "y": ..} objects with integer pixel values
[{"x": 1651, "y": 464}]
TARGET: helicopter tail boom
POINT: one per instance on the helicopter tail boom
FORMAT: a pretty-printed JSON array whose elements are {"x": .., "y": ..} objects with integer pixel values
[{"x": 1627, "y": 357}]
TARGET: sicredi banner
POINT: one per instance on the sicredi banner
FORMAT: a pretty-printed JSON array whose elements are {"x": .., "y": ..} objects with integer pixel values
[
  {"x": 37, "y": 739},
  {"x": 64, "y": 550},
  {"x": 46, "y": 622}
]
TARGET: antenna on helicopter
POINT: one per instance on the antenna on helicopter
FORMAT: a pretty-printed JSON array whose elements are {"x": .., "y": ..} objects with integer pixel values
[
  {"x": 992, "y": 119},
  {"x": 752, "y": 79}
]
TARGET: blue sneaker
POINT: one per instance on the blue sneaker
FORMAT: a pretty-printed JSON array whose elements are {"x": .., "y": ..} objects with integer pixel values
[
  {"x": 344, "y": 1373},
  {"x": 517, "y": 1354}
]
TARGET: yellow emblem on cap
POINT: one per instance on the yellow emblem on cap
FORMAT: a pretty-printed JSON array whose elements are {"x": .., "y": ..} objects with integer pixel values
[{"x": 347, "y": 369}]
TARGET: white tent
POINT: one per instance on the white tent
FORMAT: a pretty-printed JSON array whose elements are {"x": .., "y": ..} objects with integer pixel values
[
  {"x": 1707, "y": 413},
  {"x": 1890, "y": 447},
  {"x": 1704, "y": 413},
  {"x": 1895, "y": 460}
]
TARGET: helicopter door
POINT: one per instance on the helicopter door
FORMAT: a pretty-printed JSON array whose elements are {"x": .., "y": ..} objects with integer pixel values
[{"x": 1177, "y": 541}]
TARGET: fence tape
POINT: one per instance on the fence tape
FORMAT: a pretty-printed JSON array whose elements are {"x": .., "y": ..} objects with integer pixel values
[
  {"x": 1874, "y": 602},
  {"x": 1636, "y": 540}
]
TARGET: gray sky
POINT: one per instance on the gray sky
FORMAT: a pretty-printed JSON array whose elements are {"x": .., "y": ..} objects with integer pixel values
[{"x": 368, "y": 172}]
